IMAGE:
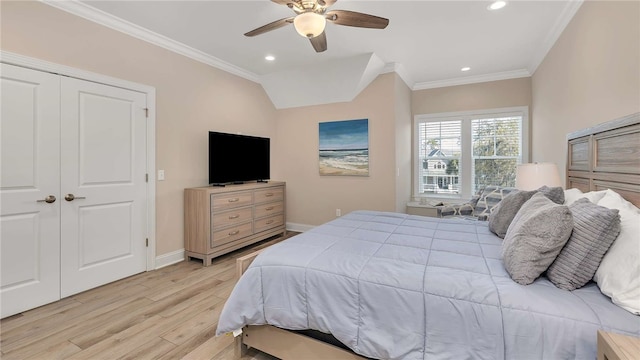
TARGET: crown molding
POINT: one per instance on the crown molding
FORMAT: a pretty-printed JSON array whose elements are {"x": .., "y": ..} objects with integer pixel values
[
  {"x": 505, "y": 75},
  {"x": 90, "y": 13},
  {"x": 570, "y": 9}
]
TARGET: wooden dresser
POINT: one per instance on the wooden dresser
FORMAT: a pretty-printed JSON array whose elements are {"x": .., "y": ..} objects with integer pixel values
[{"x": 218, "y": 220}]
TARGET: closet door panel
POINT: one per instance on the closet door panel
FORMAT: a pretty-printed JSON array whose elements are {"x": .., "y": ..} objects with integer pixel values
[
  {"x": 103, "y": 167},
  {"x": 29, "y": 175}
]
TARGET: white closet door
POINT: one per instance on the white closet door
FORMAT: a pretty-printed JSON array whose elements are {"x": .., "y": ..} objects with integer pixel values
[
  {"x": 30, "y": 173},
  {"x": 103, "y": 165}
]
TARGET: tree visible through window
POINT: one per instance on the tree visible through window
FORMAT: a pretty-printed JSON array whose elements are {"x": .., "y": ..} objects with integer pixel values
[
  {"x": 459, "y": 153},
  {"x": 496, "y": 151}
]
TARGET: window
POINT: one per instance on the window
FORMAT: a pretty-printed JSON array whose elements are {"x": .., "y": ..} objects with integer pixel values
[{"x": 458, "y": 153}]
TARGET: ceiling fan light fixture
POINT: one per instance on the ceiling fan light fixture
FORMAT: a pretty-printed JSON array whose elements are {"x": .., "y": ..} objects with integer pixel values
[{"x": 309, "y": 24}]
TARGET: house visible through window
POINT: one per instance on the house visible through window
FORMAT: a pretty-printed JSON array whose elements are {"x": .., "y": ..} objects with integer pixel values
[{"x": 459, "y": 153}]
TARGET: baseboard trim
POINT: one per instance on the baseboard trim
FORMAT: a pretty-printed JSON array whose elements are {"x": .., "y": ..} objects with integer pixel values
[
  {"x": 169, "y": 258},
  {"x": 299, "y": 227}
]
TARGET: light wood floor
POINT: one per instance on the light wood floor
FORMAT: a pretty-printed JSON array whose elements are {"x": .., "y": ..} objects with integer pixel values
[{"x": 170, "y": 313}]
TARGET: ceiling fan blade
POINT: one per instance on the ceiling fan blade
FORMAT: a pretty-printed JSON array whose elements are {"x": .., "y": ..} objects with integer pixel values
[
  {"x": 319, "y": 42},
  {"x": 352, "y": 18},
  {"x": 282, "y": 2},
  {"x": 270, "y": 26}
]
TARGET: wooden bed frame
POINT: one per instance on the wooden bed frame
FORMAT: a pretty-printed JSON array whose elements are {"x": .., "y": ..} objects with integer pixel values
[{"x": 606, "y": 156}]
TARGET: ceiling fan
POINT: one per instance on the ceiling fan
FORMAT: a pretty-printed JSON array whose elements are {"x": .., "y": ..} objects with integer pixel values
[{"x": 312, "y": 16}]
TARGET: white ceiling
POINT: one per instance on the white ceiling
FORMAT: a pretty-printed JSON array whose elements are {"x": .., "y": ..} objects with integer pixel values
[{"x": 426, "y": 42}]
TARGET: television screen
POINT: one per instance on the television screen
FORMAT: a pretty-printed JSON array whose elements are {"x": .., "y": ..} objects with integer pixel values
[{"x": 237, "y": 158}]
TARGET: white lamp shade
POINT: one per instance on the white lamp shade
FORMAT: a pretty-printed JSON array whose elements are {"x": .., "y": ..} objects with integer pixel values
[
  {"x": 533, "y": 176},
  {"x": 309, "y": 24}
]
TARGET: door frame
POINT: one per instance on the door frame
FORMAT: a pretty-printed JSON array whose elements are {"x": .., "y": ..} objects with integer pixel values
[{"x": 150, "y": 91}]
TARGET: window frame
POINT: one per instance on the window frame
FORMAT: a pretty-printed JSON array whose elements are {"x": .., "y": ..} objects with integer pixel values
[{"x": 466, "y": 156}]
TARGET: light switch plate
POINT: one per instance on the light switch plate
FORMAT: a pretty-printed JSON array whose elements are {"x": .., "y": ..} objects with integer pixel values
[{"x": 160, "y": 175}]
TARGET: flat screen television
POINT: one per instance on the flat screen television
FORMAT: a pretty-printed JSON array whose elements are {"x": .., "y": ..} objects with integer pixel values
[{"x": 237, "y": 158}]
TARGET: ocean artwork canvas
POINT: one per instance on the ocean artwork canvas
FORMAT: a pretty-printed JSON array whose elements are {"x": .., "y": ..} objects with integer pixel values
[{"x": 344, "y": 147}]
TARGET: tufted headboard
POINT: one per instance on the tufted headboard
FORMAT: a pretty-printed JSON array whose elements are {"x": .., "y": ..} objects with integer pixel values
[{"x": 606, "y": 156}]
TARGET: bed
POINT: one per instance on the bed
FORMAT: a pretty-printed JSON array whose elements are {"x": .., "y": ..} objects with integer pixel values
[{"x": 395, "y": 286}]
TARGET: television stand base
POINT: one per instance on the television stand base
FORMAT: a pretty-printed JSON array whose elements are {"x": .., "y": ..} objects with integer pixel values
[
  {"x": 218, "y": 185},
  {"x": 263, "y": 181}
]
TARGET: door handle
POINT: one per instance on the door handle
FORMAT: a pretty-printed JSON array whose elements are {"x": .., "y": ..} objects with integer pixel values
[
  {"x": 71, "y": 197},
  {"x": 49, "y": 199}
]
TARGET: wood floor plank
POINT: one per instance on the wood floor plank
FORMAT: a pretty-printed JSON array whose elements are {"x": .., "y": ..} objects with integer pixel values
[
  {"x": 28, "y": 334},
  {"x": 192, "y": 279},
  {"x": 123, "y": 342},
  {"x": 128, "y": 319},
  {"x": 38, "y": 313},
  {"x": 210, "y": 349},
  {"x": 89, "y": 339},
  {"x": 151, "y": 350},
  {"x": 180, "y": 334},
  {"x": 41, "y": 340},
  {"x": 57, "y": 352},
  {"x": 191, "y": 344}
]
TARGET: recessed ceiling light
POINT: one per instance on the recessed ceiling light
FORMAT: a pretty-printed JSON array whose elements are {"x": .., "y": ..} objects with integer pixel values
[
  {"x": 497, "y": 5},
  {"x": 269, "y": 57},
  {"x": 466, "y": 68}
]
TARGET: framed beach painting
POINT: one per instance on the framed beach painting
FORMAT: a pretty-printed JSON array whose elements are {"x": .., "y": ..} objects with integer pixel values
[{"x": 344, "y": 147}]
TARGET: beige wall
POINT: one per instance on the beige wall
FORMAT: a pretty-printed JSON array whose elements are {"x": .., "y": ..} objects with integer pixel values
[
  {"x": 192, "y": 98},
  {"x": 311, "y": 198},
  {"x": 591, "y": 75},
  {"x": 488, "y": 95}
]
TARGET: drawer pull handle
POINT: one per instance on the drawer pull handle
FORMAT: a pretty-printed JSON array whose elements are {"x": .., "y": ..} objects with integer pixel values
[
  {"x": 234, "y": 200},
  {"x": 234, "y": 216},
  {"x": 269, "y": 222},
  {"x": 269, "y": 208},
  {"x": 268, "y": 194},
  {"x": 234, "y": 233}
]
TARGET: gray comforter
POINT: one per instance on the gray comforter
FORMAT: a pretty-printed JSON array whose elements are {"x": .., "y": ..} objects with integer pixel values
[{"x": 394, "y": 286}]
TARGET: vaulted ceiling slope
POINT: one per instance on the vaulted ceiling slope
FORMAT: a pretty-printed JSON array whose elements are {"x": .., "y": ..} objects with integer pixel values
[{"x": 426, "y": 42}]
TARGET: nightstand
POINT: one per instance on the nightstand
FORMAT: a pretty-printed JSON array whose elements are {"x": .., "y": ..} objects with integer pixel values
[
  {"x": 415, "y": 208},
  {"x": 612, "y": 346}
]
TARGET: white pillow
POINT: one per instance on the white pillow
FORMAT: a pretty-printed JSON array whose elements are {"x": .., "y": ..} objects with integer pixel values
[
  {"x": 618, "y": 275},
  {"x": 573, "y": 195}
]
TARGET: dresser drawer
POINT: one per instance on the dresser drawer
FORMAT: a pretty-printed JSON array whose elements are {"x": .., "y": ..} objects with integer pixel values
[
  {"x": 269, "y": 209},
  {"x": 268, "y": 223},
  {"x": 221, "y": 237},
  {"x": 229, "y": 201},
  {"x": 270, "y": 194},
  {"x": 230, "y": 217}
]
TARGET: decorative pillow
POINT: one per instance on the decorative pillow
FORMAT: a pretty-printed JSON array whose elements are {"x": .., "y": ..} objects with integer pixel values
[
  {"x": 572, "y": 195},
  {"x": 503, "y": 213},
  {"x": 491, "y": 196},
  {"x": 535, "y": 237},
  {"x": 594, "y": 230},
  {"x": 619, "y": 273}
]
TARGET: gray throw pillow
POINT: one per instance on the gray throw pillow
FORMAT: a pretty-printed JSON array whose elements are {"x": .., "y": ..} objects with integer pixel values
[
  {"x": 535, "y": 237},
  {"x": 503, "y": 213},
  {"x": 595, "y": 228}
]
